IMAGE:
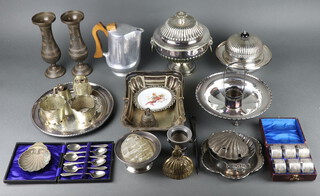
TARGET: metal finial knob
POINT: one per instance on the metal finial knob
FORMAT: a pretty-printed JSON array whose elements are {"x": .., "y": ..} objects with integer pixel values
[{"x": 245, "y": 34}]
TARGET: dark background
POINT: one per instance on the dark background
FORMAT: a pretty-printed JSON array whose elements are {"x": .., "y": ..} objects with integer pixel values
[{"x": 291, "y": 29}]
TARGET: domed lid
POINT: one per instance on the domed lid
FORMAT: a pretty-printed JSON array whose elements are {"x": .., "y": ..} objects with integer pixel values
[
  {"x": 244, "y": 46},
  {"x": 228, "y": 145},
  {"x": 181, "y": 28}
]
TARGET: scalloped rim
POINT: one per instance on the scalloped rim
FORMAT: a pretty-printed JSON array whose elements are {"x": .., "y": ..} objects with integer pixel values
[
  {"x": 81, "y": 132},
  {"x": 230, "y": 118},
  {"x": 255, "y": 169}
]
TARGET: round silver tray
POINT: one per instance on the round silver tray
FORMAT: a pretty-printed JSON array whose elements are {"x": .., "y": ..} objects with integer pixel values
[
  {"x": 216, "y": 166},
  {"x": 104, "y": 101},
  {"x": 256, "y": 100}
]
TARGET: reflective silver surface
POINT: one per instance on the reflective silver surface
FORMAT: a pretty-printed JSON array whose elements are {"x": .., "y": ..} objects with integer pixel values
[
  {"x": 229, "y": 169},
  {"x": 243, "y": 50},
  {"x": 256, "y": 98},
  {"x": 289, "y": 151},
  {"x": 124, "y": 42},
  {"x": 179, "y": 135},
  {"x": 275, "y": 151},
  {"x": 229, "y": 145},
  {"x": 279, "y": 166},
  {"x": 303, "y": 151},
  {"x": 139, "y": 167},
  {"x": 104, "y": 102},
  {"x": 307, "y": 166},
  {"x": 180, "y": 40},
  {"x": 293, "y": 165}
]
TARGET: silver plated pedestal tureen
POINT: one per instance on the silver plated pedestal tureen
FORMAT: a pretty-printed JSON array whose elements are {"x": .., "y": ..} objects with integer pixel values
[
  {"x": 243, "y": 51},
  {"x": 181, "y": 40}
]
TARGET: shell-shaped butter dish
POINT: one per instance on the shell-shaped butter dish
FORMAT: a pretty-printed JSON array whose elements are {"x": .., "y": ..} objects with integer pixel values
[
  {"x": 229, "y": 145},
  {"x": 35, "y": 158}
]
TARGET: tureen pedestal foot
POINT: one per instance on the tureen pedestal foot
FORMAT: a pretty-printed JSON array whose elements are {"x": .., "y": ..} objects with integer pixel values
[
  {"x": 185, "y": 68},
  {"x": 55, "y": 71},
  {"x": 236, "y": 123}
]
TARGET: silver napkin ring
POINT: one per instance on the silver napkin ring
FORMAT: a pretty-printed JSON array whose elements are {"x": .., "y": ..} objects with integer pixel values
[
  {"x": 293, "y": 165},
  {"x": 275, "y": 152},
  {"x": 303, "y": 151},
  {"x": 307, "y": 166},
  {"x": 279, "y": 166},
  {"x": 289, "y": 151}
]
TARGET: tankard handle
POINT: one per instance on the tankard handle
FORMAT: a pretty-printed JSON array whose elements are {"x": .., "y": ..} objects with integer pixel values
[{"x": 95, "y": 29}]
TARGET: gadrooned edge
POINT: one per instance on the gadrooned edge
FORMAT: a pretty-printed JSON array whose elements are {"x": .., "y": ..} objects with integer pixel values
[
  {"x": 258, "y": 153},
  {"x": 89, "y": 130},
  {"x": 228, "y": 118}
]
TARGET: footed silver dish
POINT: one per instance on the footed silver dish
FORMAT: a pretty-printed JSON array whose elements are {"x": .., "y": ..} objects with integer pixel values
[
  {"x": 137, "y": 164},
  {"x": 255, "y": 97}
]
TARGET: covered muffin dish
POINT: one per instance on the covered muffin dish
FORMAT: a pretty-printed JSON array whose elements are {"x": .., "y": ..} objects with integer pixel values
[
  {"x": 181, "y": 39},
  {"x": 243, "y": 51}
]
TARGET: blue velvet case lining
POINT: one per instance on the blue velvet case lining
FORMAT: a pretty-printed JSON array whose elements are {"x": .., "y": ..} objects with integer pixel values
[
  {"x": 85, "y": 165},
  {"x": 282, "y": 131},
  {"x": 52, "y": 171}
]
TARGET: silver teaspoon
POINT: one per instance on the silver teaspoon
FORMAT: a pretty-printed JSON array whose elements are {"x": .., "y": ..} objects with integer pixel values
[
  {"x": 98, "y": 151},
  {"x": 74, "y": 157},
  {"x": 76, "y": 147},
  {"x": 95, "y": 174},
  {"x": 96, "y": 162},
  {"x": 74, "y": 168}
]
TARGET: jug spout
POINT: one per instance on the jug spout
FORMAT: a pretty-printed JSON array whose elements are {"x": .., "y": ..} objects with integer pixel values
[
  {"x": 139, "y": 30},
  {"x": 106, "y": 54}
]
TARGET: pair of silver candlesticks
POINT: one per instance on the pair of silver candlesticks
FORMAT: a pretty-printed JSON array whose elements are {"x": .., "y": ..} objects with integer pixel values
[{"x": 50, "y": 51}]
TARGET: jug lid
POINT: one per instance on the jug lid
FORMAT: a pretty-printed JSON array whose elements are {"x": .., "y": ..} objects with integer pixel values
[{"x": 124, "y": 29}]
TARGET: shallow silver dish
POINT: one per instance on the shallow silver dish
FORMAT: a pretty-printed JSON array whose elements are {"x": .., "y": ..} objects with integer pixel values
[
  {"x": 216, "y": 165},
  {"x": 256, "y": 98},
  {"x": 104, "y": 102}
]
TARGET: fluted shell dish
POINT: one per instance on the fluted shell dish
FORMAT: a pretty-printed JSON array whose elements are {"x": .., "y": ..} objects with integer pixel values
[
  {"x": 233, "y": 169},
  {"x": 35, "y": 158},
  {"x": 229, "y": 145}
]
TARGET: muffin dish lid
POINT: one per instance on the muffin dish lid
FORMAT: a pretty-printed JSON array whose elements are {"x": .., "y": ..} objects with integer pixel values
[
  {"x": 181, "y": 28},
  {"x": 244, "y": 46}
]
